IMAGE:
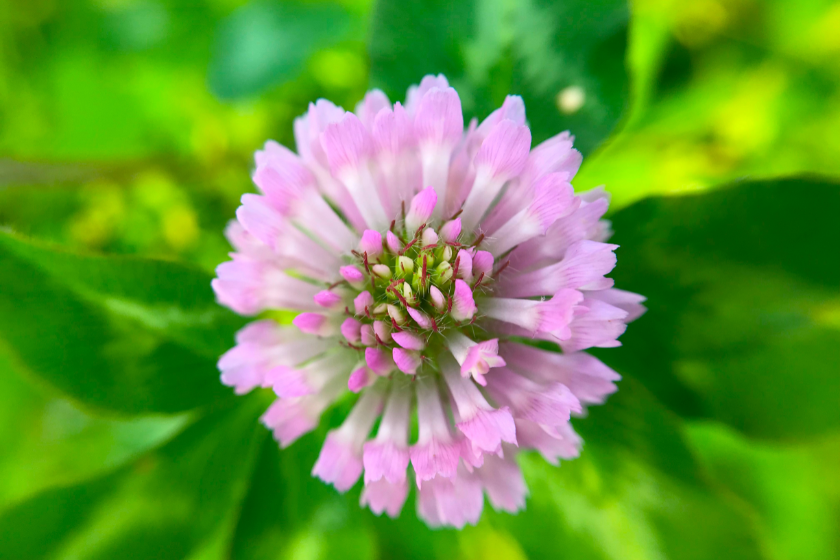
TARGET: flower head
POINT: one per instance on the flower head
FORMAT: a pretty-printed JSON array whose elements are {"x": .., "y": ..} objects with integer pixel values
[{"x": 422, "y": 257}]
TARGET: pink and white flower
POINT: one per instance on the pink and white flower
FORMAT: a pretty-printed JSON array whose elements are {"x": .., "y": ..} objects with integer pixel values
[{"x": 421, "y": 257}]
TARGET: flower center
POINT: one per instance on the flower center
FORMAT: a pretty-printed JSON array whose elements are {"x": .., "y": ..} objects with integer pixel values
[{"x": 413, "y": 278}]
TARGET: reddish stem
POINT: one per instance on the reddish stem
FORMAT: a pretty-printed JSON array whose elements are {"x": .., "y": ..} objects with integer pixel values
[
  {"x": 407, "y": 246},
  {"x": 504, "y": 266}
]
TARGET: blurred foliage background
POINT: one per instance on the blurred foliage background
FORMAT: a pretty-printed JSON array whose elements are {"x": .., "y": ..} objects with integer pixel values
[{"x": 127, "y": 127}]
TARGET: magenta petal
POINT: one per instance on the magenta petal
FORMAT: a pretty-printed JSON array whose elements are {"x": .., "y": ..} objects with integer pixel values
[
  {"x": 362, "y": 302},
  {"x": 463, "y": 307},
  {"x": 407, "y": 360},
  {"x": 351, "y": 330},
  {"x": 360, "y": 378},
  {"x": 451, "y": 230},
  {"x": 393, "y": 242},
  {"x": 422, "y": 206},
  {"x": 408, "y": 341},
  {"x": 326, "y": 298},
  {"x": 420, "y": 318},
  {"x": 379, "y": 361},
  {"x": 351, "y": 274},
  {"x": 482, "y": 263},
  {"x": 371, "y": 243},
  {"x": 310, "y": 323}
]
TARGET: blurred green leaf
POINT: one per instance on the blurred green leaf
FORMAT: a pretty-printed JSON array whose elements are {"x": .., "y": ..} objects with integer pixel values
[
  {"x": 49, "y": 441},
  {"x": 792, "y": 488},
  {"x": 124, "y": 334},
  {"x": 744, "y": 320},
  {"x": 161, "y": 507},
  {"x": 412, "y": 38},
  {"x": 265, "y": 43},
  {"x": 570, "y": 55},
  {"x": 288, "y": 513},
  {"x": 566, "y": 59}
]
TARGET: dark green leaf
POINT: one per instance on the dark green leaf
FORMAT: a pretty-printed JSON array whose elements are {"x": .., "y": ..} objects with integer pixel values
[
  {"x": 265, "y": 43},
  {"x": 49, "y": 441},
  {"x": 125, "y": 334},
  {"x": 743, "y": 290},
  {"x": 534, "y": 48},
  {"x": 290, "y": 513},
  {"x": 161, "y": 507},
  {"x": 412, "y": 38}
]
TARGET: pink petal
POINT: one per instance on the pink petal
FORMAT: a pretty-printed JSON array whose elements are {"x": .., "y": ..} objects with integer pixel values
[
  {"x": 351, "y": 274},
  {"x": 421, "y": 318},
  {"x": 505, "y": 150},
  {"x": 345, "y": 143},
  {"x": 408, "y": 341},
  {"x": 371, "y": 243},
  {"x": 451, "y": 230},
  {"x": 351, "y": 330},
  {"x": 379, "y": 360},
  {"x": 360, "y": 378},
  {"x": 326, "y": 298},
  {"x": 338, "y": 464},
  {"x": 489, "y": 428},
  {"x": 362, "y": 302},
  {"x": 422, "y": 207},
  {"x": 310, "y": 323},
  {"x": 463, "y": 305},
  {"x": 385, "y": 460},
  {"x": 384, "y": 496},
  {"x": 407, "y": 361},
  {"x": 439, "y": 119}
]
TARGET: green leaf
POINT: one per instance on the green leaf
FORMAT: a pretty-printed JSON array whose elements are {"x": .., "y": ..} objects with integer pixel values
[
  {"x": 744, "y": 320},
  {"x": 266, "y": 43},
  {"x": 792, "y": 488},
  {"x": 49, "y": 441},
  {"x": 124, "y": 334},
  {"x": 289, "y": 513},
  {"x": 162, "y": 506},
  {"x": 491, "y": 48}
]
